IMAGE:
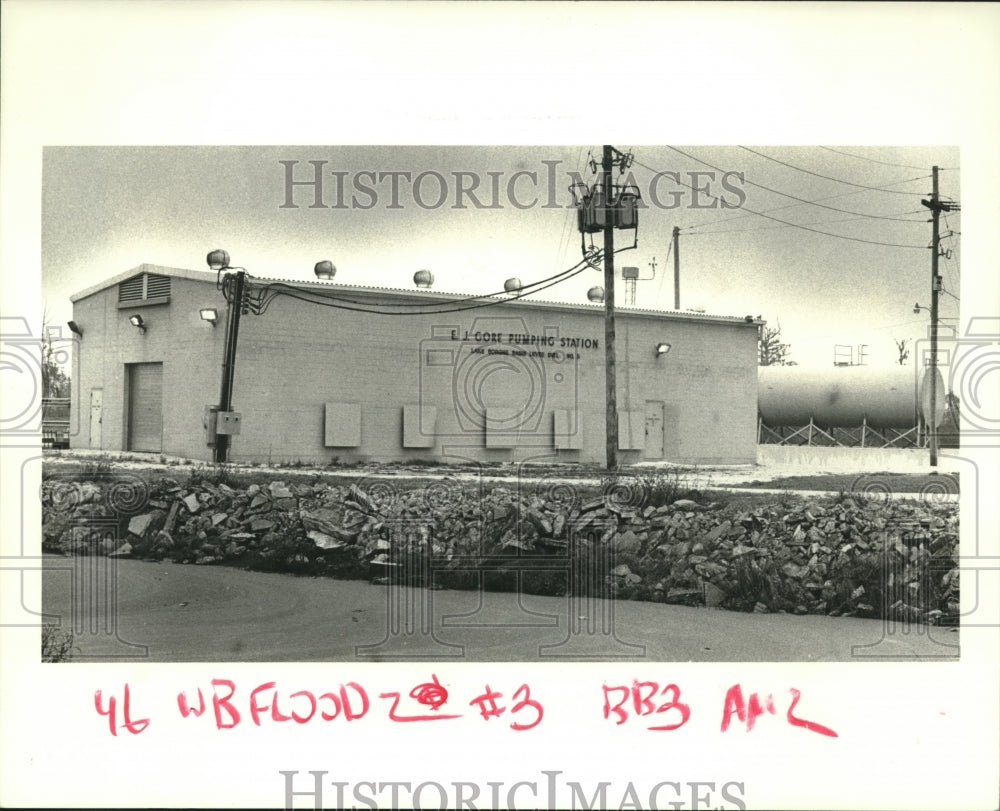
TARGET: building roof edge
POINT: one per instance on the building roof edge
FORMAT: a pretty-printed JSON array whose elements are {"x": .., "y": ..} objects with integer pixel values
[
  {"x": 434, "y": 295},
  {"x": 145, "y": 267}
]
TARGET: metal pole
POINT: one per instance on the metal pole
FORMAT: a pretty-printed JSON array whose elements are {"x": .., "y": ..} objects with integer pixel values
[
  {"x": 611, "y": 411},
  {"x": 229, "y": 362},
  {"x": 935, "y": 238},
  {"x": 677, "y": 268}
]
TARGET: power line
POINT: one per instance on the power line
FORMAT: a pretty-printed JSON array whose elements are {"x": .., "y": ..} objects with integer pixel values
[
  {"x": 814, "y": 222},
  {"x": 872, "y": 160},
  {"x": 835, "y": 179},
  {"x": 792, "y": 224},
  {"x": 570, "y": 216},
  {"x": 313, "y": 297},
  {"x": 271, "y": 290},
  {"x": 948, "y": 267},
  {"x": 796, "y": 205},
  {"x": 659, "y": 289},
  {"x": 334, "y": 296},
  {"x": 776, "y": 191},
  {"x": 280, "y": 289}
]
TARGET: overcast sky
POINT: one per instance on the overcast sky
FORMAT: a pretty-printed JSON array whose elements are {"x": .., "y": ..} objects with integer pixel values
[{"x": 476, "y": 216}]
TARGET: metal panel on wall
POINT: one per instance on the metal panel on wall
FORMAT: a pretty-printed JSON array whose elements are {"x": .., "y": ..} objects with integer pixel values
[
  {"x": 418, "y": 425},
  {"x": 342, "y": 425}
]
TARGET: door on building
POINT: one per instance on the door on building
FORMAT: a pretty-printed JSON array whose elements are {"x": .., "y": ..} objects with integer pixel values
[
  {"x": 145, "y": 407},
  {"x": 96, "y": 416},
  {"x": 654, "y": 430}
]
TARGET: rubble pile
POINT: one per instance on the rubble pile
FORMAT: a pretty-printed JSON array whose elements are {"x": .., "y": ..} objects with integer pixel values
[{"x": 849, "y": 556}]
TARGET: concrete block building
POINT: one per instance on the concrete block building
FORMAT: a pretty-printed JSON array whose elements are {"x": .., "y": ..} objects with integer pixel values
[{"x": 319, "y": 376}]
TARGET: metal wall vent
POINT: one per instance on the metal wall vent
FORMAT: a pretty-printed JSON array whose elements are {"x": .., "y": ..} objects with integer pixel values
[{"x": 143, "y": 287}]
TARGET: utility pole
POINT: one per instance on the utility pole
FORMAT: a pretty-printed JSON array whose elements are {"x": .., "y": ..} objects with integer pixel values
[
  {"x": 677, "y": 268},
  {"x": 936, "y": 207},
  {"x": 935, "y": 238},
  {"x": 603, "y": 212},
  {"x": 611, "y": 412},
  {"x": 229, "y": 361}
]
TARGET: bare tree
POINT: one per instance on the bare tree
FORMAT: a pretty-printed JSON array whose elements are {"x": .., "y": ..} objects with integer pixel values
[
  {"x": 55, "y": 380},
  {"x": 771, "y": 350},
  {"x": 904, "y": 353}
]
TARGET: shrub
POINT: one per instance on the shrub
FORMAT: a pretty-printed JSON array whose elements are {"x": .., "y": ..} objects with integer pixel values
[
  {"x": 56, "y": 645},
  {"x": 649, "y": 490},
  {"x": 217, "y": 474},
  {"x": 97, "y": 469}
]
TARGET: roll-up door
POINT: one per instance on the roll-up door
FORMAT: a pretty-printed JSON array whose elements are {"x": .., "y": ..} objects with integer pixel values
[{"x": 145, "y": 407}]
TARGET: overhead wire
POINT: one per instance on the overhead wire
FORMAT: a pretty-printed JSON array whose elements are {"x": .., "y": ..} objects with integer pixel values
[
  {"x": 295, "y": 293},
  {"x": 659, "y": 289},
  {"x": 797, "y": 205},
  {"x": 783, "y": 194},
  {"x": 835, "y": 179},
  {"x": 947, "y": 256},
  {"x": 570, "y": 217},
  {"x": 326, "y": 299},
  {"x": 871, "y": 160},
  {"x": 814, "y": 222},
  {"x": 786, "y": 222},
  {"x": 337, "y": 297}
]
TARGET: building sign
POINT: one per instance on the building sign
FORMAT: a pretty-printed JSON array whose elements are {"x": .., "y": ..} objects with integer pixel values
[{"x": 525, "y": 340}]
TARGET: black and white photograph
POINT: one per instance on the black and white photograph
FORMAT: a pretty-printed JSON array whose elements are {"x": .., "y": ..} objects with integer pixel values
[
  {"x": 495, "y": 467},
  {"x": 643, "y": 441}
]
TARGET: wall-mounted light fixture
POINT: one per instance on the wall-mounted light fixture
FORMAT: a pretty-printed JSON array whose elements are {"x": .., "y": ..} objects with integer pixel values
[
  {"x": 75, "y": 329},
  {"x": 662, "y": 349},
  {"x": 136, "y": 321},
  {"x": 209, "y": 314}
]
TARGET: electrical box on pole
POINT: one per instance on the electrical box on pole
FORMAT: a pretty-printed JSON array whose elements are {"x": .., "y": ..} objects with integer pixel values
[
  {"x": 595, "y": 211},
  {"x": 603, "y": 208}
]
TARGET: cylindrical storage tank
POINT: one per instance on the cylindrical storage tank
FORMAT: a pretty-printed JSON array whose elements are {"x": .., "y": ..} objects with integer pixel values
[
  {"x": 940, "y": 397},
  {"x": 596, "y": 294},
  {"x": 840, "y": 397},
  {"x": 423, "y": 279},
  {"x": 512, "y": 285}
]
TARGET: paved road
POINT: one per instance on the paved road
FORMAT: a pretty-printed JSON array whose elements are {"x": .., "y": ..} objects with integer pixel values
[{"x": 179, "y": 613}]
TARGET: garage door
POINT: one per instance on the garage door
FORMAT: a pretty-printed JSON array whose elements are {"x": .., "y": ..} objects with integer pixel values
[{"x": 145, "y": 407}]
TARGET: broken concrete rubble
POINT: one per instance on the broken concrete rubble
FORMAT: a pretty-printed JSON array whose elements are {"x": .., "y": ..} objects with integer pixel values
[{"x": 844, "y": 556}]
